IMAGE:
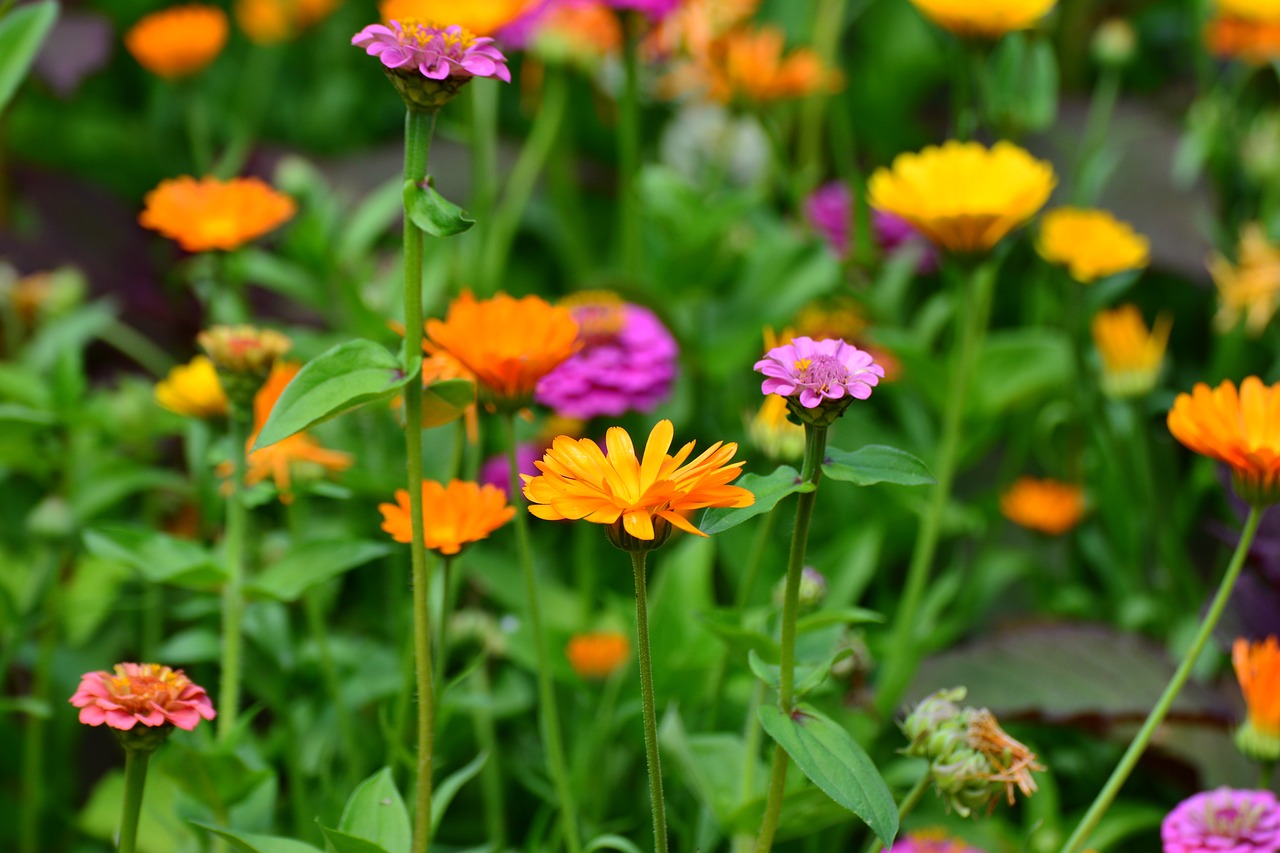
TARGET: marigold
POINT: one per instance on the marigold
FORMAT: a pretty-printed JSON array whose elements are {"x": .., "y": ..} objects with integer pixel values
[
  {"x": 988, "y": 19},
  {"x": 1131, "y": 354},
  {"x": 272, "y": 21},
  {"x": 1257, "y": 668},
  {"x": 482, "y": 17},
  {"x": 193, "y": 390},
  {"x": 597, "y": 655},
  {"x": 962, "y": 196},
  {"x": 1250, "y": 287},
  {"x": 453, "y": 515},
  {"x": 178, "y": 41},
  {"x": 749, "y": 64},
  {"x": 1237, "y": 428},
  {"x": 145, "y": 693},
  {"x": 206, "y": 214},
  {"x": 1091, "y": 244},
  {"x": 1045, "y": 505},
  {"x": 640, "y": 499},
  {"x": 508, "y": 344}
]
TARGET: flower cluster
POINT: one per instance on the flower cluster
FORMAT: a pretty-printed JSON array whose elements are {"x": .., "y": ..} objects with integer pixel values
[{"x": 1223, "y": 819}]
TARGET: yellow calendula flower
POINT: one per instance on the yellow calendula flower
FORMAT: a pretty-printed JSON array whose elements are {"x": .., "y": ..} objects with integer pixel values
[
  {"x": 1091, "y": 244},
  {"x": 1131, "y": 354},
  {"x": 963, "y": 196},
  {"x": 984, "y": 18},
  {"x": 193, "y": 390},
  {"x": 482, "y": 17},
  {"x": 1250, "y": 10},
  {"x": 1249, "y": 287}
]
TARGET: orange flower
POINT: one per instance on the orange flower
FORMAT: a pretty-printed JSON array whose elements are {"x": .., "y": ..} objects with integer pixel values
[
  {"x": 452, "y": 515},
  {"x": 639, "y": 499},
  {"x": 582, "y": 32},
  {"x": 749, "y": 64},
  {"x": 482, "y": 17},
  {"x": 597, "y": 655},
  {"x": 212, "y": 214},
  {"x": 1045, "y": 505},
  {"x": 508, "y": 344},
  {"x": 178, "y": 41},
  {"x": 1241, "y": 429},
  {"x": 271, "y": 21},
  {"x": 695, "y": 25},
  {"x": 1255, "y": 42},
  {"x": 1258, "y": 670}
]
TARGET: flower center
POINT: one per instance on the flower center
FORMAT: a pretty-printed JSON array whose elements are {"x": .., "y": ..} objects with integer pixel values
[
  {"x": 414, "y": 31},
  {"x": 149, "y": 683},
  {"x": 822, "y": 371},
  {"x": 1231, "y": 819}
]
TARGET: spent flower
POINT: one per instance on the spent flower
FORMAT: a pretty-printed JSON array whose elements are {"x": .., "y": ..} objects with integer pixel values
[
  {"x": 820, "y": 379},
  {"x": 178, "y": 41},
  {"x": 429, "y": 65},
  {"x": 1224, "y": 820}
]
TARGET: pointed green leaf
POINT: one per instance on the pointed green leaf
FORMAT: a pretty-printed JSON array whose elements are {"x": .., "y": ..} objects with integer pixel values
[
  {"x": 445, "y": 401},
  {"x": 837, "y": 616},
  {"x": 834, "y": 761},
  {"x": 876, "y": 463},
  {"x": 339, "y": 380},
  {"x": 375, "y": 812},
  {"x": 314, "y": 562},
  {"x": 22, "y": 31},
  {"x": 160, "y": 558},
  {"x": 448, "y": 789},
  {"x": 610, "y": 842},
  {"x": 248, "y": 842},
  {"x": 768, "y": 491},
  {"x": 341, "y": 842},
  {"x": 807, "y": 676},
  {"x": 432, "y": 212}
]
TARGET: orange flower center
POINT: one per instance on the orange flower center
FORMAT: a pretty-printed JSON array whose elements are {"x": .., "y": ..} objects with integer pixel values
[{"x": 150, "y": 684}]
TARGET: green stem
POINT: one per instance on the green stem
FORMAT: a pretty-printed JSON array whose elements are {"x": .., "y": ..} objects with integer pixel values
[
  {"x": 1130, "y": 759},
  {"x": 135, "y": 783},
  {"x": 909, "y": 802},
  {"x": 235, "y": 544},
  {"x": 138, "y": 347},
  {"x": 484, "y": 179},
  {"x": 491, "y": 775},
  {"x": 34, "y": 755},
  {"x": 196, "y": 113},
  {"x": 828, "y": 25},
  {"x": 442, "y": 625},
  {"x": 550, "y": 717},
  {"x": 629, "y": 147},
  {"x": 1101, "y": 108},
  {"x": 652, "y": 757},
  {"x": 1266, "y": 769},
  {"x": 565, "y": 190},
  {"x": 815, "y": 441},
  {"x": 745, "y": 842}
]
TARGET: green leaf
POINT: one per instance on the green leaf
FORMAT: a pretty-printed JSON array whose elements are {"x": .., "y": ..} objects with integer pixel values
[
  {"x": 838, "y": 616},
  {"x": 375, "y": 812},
  {"x": 611, "y": 842},
  {"x": 876, "y": 463},
  {"x": 768, "y": 491},
  {"x": 807, "y": 676},
  {"x": 14, "y": 413},
  {"x": 432, "y": 212},
  {"x": 344, "y": 843},
  {"x": 834, "y": 761},
  {"x": 448, "y": 789},
  {"x": 160, "y": 558},
  {"x": 727, "y": 627},
  {"x": 346, "y": 377},
  {"x": 248, "y": 842},
  {"x": 445, "y": 401},
  {"x": 22, "y": 31},
  {"x": 314, "y": 562},
  {"x": 28, "y": 705}
]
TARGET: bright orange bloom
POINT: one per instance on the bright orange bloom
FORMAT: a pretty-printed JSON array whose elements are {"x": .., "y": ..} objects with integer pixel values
[
  {"x": 1254, "y": 42},
  {"x": 1240, "y": 428},
  {"x": 638, "y": 498},
  {"x": 211, "y": 214},
  {"x": 1250, "y": 10},
  {"x": 1045, "y": 505},
  {"x": 508, "y": 344},
  {"x": 272, "y": 21},
  {"x": 178, "y": 41},
  {"x": 597, "y": 655},
  {"x": 1257, "y": 668},
  {"x": 749, "y": 64},
  {"x": 452, "y": 515},
  {"x": 482, "y": 17}
]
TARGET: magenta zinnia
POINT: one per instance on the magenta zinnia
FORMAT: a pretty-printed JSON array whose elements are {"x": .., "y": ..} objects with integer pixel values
[
  {"x": 435, "y": 53},
  {"x": 145, "y": 693},
  {"x": 815, "y": 371},
  {"x": 1223, "y": 820}
]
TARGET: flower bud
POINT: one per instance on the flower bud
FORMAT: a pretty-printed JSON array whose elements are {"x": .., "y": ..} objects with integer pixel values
[
  {"x": 1114, "y": 43},
  {"x": 243, "y": 356}
]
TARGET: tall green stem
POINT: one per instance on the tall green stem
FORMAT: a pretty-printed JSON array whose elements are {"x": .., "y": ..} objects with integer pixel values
[
  {"x": 629, "y": 147},
  {"x": 495, "y": 812},
  {"x": 815, "y": 446},
  {"x": 828, "y": 26},
  {"x": 135, "y": 782},
  {"x": 1101, "y": 108},
  {"x": 646, "y": 700},
  {"x": 484, "y": 178},
  {"x": 234, "y": 545},
  {"x": 550, "y": 717},
  {"x": 1130, "y": 759}
]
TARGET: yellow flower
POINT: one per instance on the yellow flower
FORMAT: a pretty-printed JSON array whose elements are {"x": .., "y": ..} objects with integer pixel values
[
  {"x": 1238, "y": 428},
  {"x": 1131, "y": 355},
  {"x": 1257, "y": 668},
  {"x": 1250, "y": 287},
  {"x": 1091, "y": 244},
  {"x": 962, "y": 196},
  {"x": 272, "y": 21},
  {"x": 1251, "y": 10},
  {"x": 178, "y": 41},
  {"x": 211, "y": 214},
  {"x": 771, "y": 432},
  {"x": 1045, "y": 505},
  {"x": 597, "y": 655},
  {"x": 482, "y": 17},
  {"x": 984, "y": 18},
  {"x": 193, "y": 390},
  {"x": 452, "y": 516}
]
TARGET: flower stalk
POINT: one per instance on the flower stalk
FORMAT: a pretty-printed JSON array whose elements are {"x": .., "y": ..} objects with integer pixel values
[
  {"x": 629, "y": 145},
  {"x": 235, "y": 546},
  {"x": 135, "y": 783},
  {"x": 647, "y": 702}
]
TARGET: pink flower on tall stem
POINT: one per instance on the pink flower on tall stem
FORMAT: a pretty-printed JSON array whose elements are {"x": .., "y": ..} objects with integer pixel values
[
  {"x": 814, "y": 371},
  {"x": 436, "y": 53},
  {"x": 1224, "y": 820},
  {"x": 145, "y": 693}
]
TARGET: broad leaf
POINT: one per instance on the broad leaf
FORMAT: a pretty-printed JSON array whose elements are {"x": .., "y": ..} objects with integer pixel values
[
  {"x": 248, "y": 842},
  {"x": 22, "y": 31},
  {"x": 314, "y": 562},
  {"x": 768, "y": 491},
  {"x": 876, "y": 463},
  {"x": 807, "y": 676},
  {"x": 375, "y": 812},
  {"x": 160, "y": 558},
  {"x": 341, "y": 842},
  {"x": 432, "y": 212}
]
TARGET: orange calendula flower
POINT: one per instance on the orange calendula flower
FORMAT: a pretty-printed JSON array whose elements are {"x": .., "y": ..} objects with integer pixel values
[
  {"x": 1238, "y": 428},
  {"x": 178, "y": 41},
  {"x": 1251, "y": 287},
  {"x": 1131, "y": 354},
  {"x": 961, "y": 195},
  {"x": 508, "y": 344},
  {"x": 1252, "y": 41},
  {"x": 597, "y": 655},
  {"x": 987, "y": 19},
  {"x": 273, "y": 21},
  {"x": 452, "y": 516},
  {"x": 206, "y": 214},
  {"x": 1048, "y": 506},
  {"x": 750, "y": 65},
  {"x": 1257, "y": 668},
  {"x": 482, "y": 17},
  {"x": 193, "y": 390},
  {"x": 639, "y": 498},
  {"x": 1091, "y": 244}
]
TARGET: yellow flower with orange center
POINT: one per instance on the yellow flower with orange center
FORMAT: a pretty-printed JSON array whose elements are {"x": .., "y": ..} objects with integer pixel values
[
  {"x": 1250, "y": 287},
  {"x": 988, "y": 19},
  {"x": 1091, "y": 244},
  {"x": 178, "y": 41},
  {"x": 639, "y": 498},
  {"x": 193, "y": 390},
  {"x": 597, "y": 655},
  {"x": 272, "y": 21},
  {"x": 1240, "y": 428},
  {"x": 750, "y": 65},
  {"x": 482, "y": 17},
  {"x": 508, "y": 344},
  {"x": 1048, "y": 506},
  {"x": 452, "y": 516},
  {"x": 207, "y": 214},
  {"x": 961, "y": 195},
  {"x": 1131, "y": 354},
  {"x": 1257, "y": 668}
]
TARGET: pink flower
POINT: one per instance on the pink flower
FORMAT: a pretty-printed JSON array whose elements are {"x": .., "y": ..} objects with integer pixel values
[
  {"x": 146, "y": 693},
  {"x": 1224, "y": 820},
  {"x": 829, "y": 210},
  {"x": 815, "y": 371},
  {"x": 436, "y": 53},
  {"x": 931, "y": 841}
]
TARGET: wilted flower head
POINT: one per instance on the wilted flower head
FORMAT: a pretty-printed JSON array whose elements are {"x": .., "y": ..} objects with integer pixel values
[
  {"x": 272, "y": 21},
  {"x": 1224, "y": 820},
  {"x": 597, "y": 655},
  {"x": 1091, "y": 244},
  {"x": 1237, "y": 428},
  {"x": 1250, "y": 287},
  {"x": 207, "y": 214},
  {"x": 243, "y": 356},
  {"x": 1045, "y": 505},
  {"x": 931, "y": 841},
  {"x": 988, "y": 19},
  {"x": 193, "y": 390},
  {"x": 825, "y": 375},
  {"x": 141, "y": 693},
  {"x": 1257, "y": 668},
  {"x": 429, "y": 65},
  {"x": 453, "y": 516},
  {"x": 178, "y": 41},
  {"x": 1131, "y": 354}
]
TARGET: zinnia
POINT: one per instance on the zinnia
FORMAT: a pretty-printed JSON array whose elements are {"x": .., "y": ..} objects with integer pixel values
[
  {"x": 1131, "y": 354},
  {"x": 1223, "y": 820},
  {"x": 639, "y": 499},
  {"x": 1237, "y": 428},
  {"x": 931, "y": 841},
  {"x": 193, "y": 390},
  {"x": 988, "y": 19},
  {"x": 145, "y": 693},
  {"x": 1091, "y": 244},
  {"x": 964, "y": 197},
  {"x": 178, "y": 41},
  {"x": 828, "y": 374},
  {"x": 206, "y": 214},
  {"x": 1257, "y": 668},
  {"x": 452, "y": 516},
  {"x": 429, "y": 65},
  {"x": 829, "y": 210},
  {"x": 1045, "y": 505},
  {"x": 597, "y": 655}
]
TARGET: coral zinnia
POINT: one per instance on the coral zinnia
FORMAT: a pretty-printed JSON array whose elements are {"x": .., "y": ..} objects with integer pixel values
[
  {"x": 1045, "y": 505},
  {"x": 452, "y": 516},
  {"x": 1250, "y": 287},
  {"x": 1257, "y": 668},
  {"x": 1131, "y": 354},
  {"x": 597, "y": 655},
  {"x": 1224, "y": 819},
  {"x": 178, "y": 41},
  {"x": 1091, "y": 244},
  {"x": 1238, "y": 428},
  {"x": 145, "y": 693},
  {"x": 206, "y": 214},
  {"x": 962, "y": 196},
  {"x": 987, "y": 19},
  {"x": 508, "y": 344},
  {"x": 193, "y": 390},
  {"x": 640, "y": 499}
]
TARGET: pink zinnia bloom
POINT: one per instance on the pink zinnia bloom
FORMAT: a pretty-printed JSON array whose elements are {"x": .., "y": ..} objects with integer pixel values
[
  {"x": 146, "y": 693},
  {"x": 829, "y": 210},
  {"x": 436, "y": 53},
  {"x": 931, "y": 841},
  {"x": 816, "y": 371},
  {"x": 655, "y": 9},
  {"x": 496, "y": 470},
  {"x": 1224, "y": 820}
]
